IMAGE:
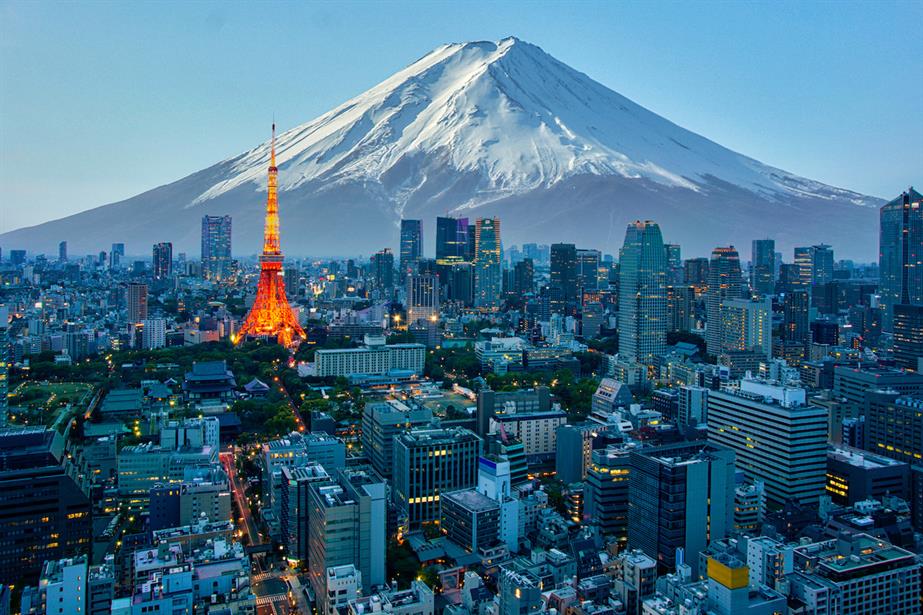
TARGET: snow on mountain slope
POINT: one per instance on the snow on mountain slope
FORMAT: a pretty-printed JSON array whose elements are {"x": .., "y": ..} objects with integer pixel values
[
  {"x": 478, "y": 128},
  {"x": 517, "y": 117}
]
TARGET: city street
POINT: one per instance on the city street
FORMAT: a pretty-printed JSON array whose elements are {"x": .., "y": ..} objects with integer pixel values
[{"x": 240, "y": 498}]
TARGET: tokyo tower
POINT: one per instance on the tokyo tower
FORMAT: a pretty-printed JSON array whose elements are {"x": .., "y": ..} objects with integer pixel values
[{"x": 271, "y": 314}]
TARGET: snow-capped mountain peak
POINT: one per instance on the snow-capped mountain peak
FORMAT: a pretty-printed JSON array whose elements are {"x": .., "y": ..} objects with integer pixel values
[{"x": 512, "y": 114}]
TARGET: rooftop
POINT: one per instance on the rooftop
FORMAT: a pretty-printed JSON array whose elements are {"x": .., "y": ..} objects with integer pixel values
[
  {"x": 849, "y": 555},
  {"x": 471, "y": 500},
  {"x": 427, "y": 436},
  {"x": 861, "y": 459}
]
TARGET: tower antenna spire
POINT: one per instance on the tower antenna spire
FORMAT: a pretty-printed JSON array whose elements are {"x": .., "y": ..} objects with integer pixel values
[{"x": 272, "y": 147}]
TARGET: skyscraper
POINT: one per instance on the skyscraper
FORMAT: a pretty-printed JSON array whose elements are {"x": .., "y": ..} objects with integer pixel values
[
  {"x": 163, "y": 260},
  {"x": 796, "y": 307},
  {"x": 216, "y": 247},
  {"x": 723, "y": 284},
  {"x": 524, "y": 277},
  {"x": 62, "y": 252},
  {"x": 487, "y": 276},
  {"x": 422, "y": 297},
  {"x": 815, "y": 264},
  {"x": 383, "y": 268},
  {"x": 451, "y": 240},
  {"x": 642, "y": 293},
  {"x": 4, "y": 364},
  {"x": 116, "y": 255},
  {"x": 763, "y": 266},
  {"x": 695, "y": 271},
  {"x": 821, "y": 264},
  {"x": 563, "y": 277},
  {"x": 411, "y": 244},
  {"x": 136, "y": 300},
  {"x": 674, "y": 264},
  {"x": 900, "y": 259}
]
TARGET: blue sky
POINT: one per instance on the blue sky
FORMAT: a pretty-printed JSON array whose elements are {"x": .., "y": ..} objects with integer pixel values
[{"x": 100, "y": 101}]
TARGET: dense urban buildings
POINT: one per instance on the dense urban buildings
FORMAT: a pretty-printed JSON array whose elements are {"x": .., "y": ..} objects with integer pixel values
[{"x": 499, "y": 429}]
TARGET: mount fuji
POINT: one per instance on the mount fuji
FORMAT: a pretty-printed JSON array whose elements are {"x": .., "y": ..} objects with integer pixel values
[{"x": 484, "y": 129}]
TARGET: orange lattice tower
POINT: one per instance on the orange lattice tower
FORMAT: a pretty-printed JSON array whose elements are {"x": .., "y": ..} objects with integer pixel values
[{"x": 271, "y": 315}]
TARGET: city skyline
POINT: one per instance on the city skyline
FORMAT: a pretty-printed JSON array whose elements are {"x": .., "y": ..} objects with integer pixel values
[{"x": 489, "y": 338}]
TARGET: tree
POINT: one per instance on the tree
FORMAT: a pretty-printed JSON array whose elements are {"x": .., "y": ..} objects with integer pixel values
[{"x": 402, "y": 563}]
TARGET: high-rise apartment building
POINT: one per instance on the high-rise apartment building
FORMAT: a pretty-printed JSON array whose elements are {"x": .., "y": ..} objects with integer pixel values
[
  {"x": 136, "y": 300},
  {"x": 216, "y": 247},
  {"x": 422, "y": 297},
  {"x": 154, "y": 333},
  {"x": 429, "y": 462},
  {"x": 411, "y": 244},
  {"x": 487, "y": 276},
  {"x": 563, "y": 278},
  {"x": 746, "y": 326},
  {"x": 777, "y": 438},
  {"x": 900, "y": 260},
  {"x": 642, "y": 294},
  {"x": 681, "y": 497},
  {"x": 163, "y": 260},
  {"x": 724, "y": 281},
  {"x": 763, "y": 266}
]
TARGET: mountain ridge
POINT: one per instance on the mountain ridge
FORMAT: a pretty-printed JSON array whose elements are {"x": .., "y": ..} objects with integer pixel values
[{"x": 475, "y": 128}]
